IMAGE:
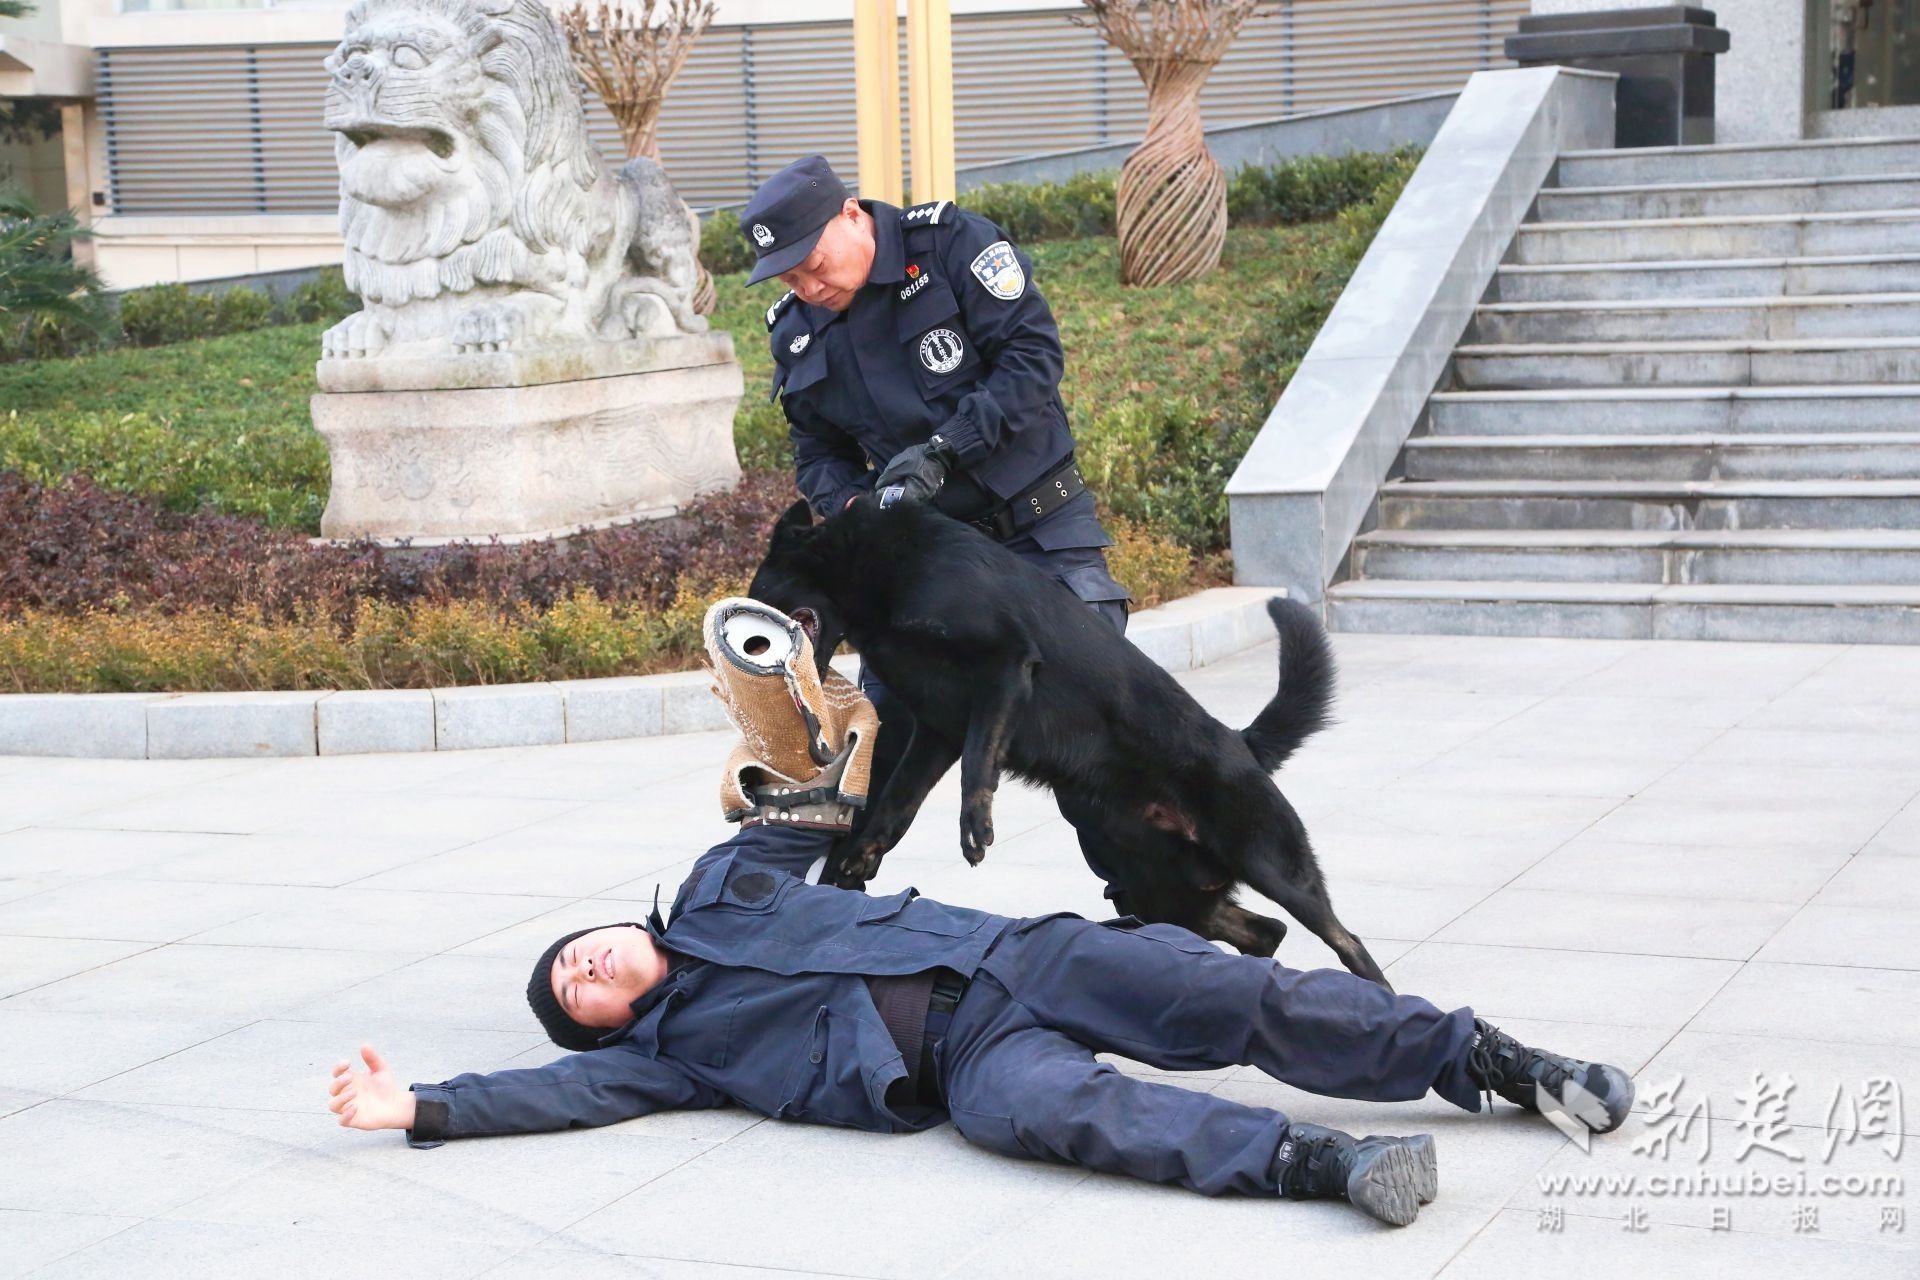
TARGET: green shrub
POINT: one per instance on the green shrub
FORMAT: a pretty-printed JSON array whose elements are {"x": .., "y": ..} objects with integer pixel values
[
  {"x": 324, "y": 299},
  {"x": 238, "y": 310},
  {"x": 1029, "y": 212},
  {"x": 1163, "y": 462},
  {"x": 1305, "y": 189},
  {"x": 723, "y": 246},
  {"x": 165, "y": 313}
]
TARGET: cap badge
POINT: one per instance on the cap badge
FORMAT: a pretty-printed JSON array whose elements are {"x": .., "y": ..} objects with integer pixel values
[{"x": 762, "y": 236}]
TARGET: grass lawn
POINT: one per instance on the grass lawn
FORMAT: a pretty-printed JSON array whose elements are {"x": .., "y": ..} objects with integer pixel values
[{"x": 223, "y": 422}]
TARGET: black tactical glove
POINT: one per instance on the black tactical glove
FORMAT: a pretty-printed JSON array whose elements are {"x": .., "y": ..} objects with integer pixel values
[{"x": 916, "y": 473}]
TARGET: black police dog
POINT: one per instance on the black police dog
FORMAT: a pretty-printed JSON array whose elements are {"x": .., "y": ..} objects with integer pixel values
[{"x": 1003, "y": 667}]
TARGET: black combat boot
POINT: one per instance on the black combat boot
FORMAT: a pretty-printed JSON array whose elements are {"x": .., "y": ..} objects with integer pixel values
[
  {"x": 1383, "y": 1176},
  {"x": 1498, "y": 1063}
]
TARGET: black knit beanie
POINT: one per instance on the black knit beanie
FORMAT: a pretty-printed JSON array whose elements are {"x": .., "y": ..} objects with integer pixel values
[{"x": 559, "y": 1025}]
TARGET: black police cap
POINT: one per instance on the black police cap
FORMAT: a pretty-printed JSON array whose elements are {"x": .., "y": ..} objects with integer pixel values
[{"x": 784, "y": 219}]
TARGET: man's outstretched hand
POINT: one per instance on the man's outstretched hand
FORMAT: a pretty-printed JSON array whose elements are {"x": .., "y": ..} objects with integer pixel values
[{"x": 369, "y": 1099}]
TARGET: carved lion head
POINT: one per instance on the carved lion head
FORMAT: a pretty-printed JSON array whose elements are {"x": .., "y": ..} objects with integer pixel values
[{"x": 453, "y": 118}]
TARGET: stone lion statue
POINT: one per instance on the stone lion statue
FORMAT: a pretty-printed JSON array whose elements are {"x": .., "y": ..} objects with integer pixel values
[{"x": 475, "y": 210}]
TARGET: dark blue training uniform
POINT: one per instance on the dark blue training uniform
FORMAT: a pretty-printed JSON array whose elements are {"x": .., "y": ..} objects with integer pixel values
[
  {"x": 777, "y": 1018},
  {"x": 950, "y": 335}
]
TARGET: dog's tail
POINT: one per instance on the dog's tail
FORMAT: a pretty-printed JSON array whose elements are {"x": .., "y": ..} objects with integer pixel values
[{"x": 1302, "y": 706}]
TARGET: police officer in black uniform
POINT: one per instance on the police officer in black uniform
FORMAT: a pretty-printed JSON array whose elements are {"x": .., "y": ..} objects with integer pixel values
[{"x": 914, "y": 355}]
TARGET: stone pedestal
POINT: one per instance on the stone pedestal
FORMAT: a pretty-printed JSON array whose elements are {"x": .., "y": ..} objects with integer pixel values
[
  {"x": 526, "y": 445},
  {"x": 1663, "y": 56}
]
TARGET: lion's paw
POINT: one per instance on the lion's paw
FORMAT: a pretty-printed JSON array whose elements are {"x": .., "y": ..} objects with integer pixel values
[
  {"x": 361, "y": 334},
  {"x": 490, "y": 326}
]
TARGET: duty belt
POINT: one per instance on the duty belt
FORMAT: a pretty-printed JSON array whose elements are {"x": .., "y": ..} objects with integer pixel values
[
  {"x": 948, "y": 987},
  {"x": 1026, "y": 509}
]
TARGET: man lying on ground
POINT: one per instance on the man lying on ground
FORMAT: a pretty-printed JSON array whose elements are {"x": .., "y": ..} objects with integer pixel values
[{"x": 798, "y": 1000}]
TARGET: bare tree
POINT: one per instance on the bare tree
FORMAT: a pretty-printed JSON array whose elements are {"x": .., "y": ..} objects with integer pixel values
[
  {"x": 1173, "y": 193},
  {"x": 631, "y": 61}
]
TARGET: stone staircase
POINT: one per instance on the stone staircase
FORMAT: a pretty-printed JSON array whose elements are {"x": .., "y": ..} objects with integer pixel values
[{"x": 1689, "y": 407}]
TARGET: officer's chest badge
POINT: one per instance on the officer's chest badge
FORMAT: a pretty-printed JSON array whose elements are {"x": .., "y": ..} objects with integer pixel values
[
  {"x": 999, "y": 270},
  {"x": 941, "y": 351},
  {"x": 799, "y": 344}
]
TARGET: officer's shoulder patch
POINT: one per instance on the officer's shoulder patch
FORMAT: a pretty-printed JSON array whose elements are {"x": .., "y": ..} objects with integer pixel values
[
  {"x": 931, "y": 214},
  {"x": 998, "y": 268},
  {"x": 773, "y": 312}
]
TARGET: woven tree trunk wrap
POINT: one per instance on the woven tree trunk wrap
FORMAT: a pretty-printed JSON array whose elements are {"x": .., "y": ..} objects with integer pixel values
[
  {"x": 1173, "y": 193},
  {"x": 631, "y": 61}
]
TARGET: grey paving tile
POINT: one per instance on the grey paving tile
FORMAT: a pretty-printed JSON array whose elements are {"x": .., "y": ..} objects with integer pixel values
[
  {"x": 377, "y": 920},
  {"x": 1514, "y": 1244},
  {"x": 135, "y": 910},
  {"x": 545, "y": 1263},
  {"x": 192, "y": 982},
  {"x": 693, "y": 1212},
  {"x": 209, "y": 1252},
  {"x": 1823, "y": 1081},
  {"x": 34, "y": 1239},
  {"x": 1875, "y": 749},
  {"x": 434, "y": 822},
  {"x": 1686, "y": 671},
  {"x": 479, "y": 992},
  {"x": 1817, "y": 1002},
  {"x": 1876, "y": 937},
  {"x": 12, "y": 1100},
  {"x": 1643, "y": 924},
  {"x": 1778, "y": 820},
  {"x": 529, "y": 861},
  {"x": 1900, "y": 836},
  {"x": 1874, "y": 880},
  {"x": 1645, "y": 728},
  {"x": 1723, "y": 873},
  {"x": 26, "y": 963},
  {"x": 1106, "y": 1229},
  {"x": 104, "y": 1158},
  {"x": 1467, "y": 769},
  {"x": 507, "y": 1191},
  {"x": 12, "y": 887},
  {"x": 61, "y": 1052},
  {"x": 276, "y": 1065},
  {"x": 319, "y": 860},
  {"x": 79, "y": 853},
  {"x": 1532, "y": 982}
]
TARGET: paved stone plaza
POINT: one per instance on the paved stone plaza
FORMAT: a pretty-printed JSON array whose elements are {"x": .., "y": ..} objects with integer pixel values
[{"x": 1699, "y": 861}]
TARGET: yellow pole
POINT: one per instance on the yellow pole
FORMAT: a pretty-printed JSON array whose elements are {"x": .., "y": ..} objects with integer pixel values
[
  {"x": 876, "y": 95},
  {"x": 930, "y": 98}
]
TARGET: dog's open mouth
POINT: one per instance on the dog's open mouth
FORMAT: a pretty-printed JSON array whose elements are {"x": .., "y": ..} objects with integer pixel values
[{"x": 809, "y": 622}]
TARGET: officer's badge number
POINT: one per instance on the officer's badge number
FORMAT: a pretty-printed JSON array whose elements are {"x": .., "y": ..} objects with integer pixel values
[
  {"x": 941, "y": 351},
  {"x": 999, "y": 270}
]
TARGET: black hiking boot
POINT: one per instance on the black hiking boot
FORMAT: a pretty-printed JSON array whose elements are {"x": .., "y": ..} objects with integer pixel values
[
  {"x": 1497, "y": 1063},
  {"x": 1382, "y": 1176}
]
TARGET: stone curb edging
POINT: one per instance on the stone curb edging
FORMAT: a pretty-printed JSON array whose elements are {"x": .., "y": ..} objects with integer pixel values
[{"x": 1191, "y": 632}]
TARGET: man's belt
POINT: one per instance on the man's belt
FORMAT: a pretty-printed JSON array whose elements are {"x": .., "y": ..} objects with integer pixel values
[
  {"x": 1026, "y": 509},
  {"x": 948, "y": 987}
]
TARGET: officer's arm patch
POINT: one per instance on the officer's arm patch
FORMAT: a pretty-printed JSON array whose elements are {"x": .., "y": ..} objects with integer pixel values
[
  {"x": 998, "y": 268},
  {"x": 929, "y": 214},
  {"x": 773, "y": 312}
]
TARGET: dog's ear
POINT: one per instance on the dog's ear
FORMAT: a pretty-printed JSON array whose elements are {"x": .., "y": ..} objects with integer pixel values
[{"x": 797, "y": 516}]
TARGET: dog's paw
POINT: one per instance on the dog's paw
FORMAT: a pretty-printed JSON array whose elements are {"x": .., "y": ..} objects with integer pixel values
[
  {"x": 976, "y": 830},
  {"x": 857, "y": 863}
]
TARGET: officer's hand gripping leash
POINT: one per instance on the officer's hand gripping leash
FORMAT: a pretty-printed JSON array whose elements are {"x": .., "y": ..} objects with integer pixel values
[{"x": 916, "y": 474}]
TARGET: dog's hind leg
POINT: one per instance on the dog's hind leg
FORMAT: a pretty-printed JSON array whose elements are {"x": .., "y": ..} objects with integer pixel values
[
  {"x": 1003, "y": 692},
  {"x": 927, "y": 758},
  {"x": 1249, "y": 932}
]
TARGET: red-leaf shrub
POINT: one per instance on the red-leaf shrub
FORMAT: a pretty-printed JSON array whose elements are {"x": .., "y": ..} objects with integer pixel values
[{"x": 76, "y": 547}]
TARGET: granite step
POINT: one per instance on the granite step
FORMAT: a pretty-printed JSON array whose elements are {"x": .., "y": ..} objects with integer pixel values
[
  {"x": 1748, "y": 362},
  {"x": 1792, "y": 235},
  {"x": 1640, "y": 504},
  {"x": 1730, "y": 198},
  {"x": 1812, "y": 158},
  {"x": 1767, "y": 277},
  {"x": 1630, "y": 611},
  {"x": 1635, "y": 411},
  {"x": 1823, "y": 456},
  {"x": 1864, "y": 315},
  {"x": 1861, "y": 557}
]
